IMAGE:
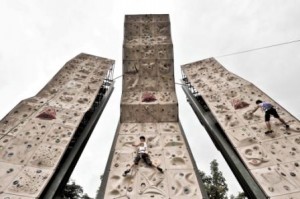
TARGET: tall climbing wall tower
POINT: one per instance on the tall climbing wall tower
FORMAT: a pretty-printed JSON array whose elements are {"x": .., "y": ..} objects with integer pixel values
[
  {"x": 266, "y": 165},
  {"x": 149, "y": 108},
  {"x": 42, "y": 138}
]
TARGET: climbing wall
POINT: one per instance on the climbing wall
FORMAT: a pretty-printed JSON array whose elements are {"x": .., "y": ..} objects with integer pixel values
[
  {"x": 272, "y": 159},
  {"x": 149, "y": 108},
  {"x": 148, "y": 80},
  {"x": 36, "y": 133}
]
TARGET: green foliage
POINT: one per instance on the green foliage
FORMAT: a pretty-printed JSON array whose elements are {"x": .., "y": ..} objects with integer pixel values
[
  {"x": 215, "y": 184},
  {"x": 85, "y": 196},
  {"x": 74, "y": 191},
  {"x": 241, "y": 195}
]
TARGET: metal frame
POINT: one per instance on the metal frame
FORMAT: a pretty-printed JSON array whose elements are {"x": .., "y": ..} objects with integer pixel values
[
  {"x": 61, "y": 176},
  {"x": 206, "y": 118}
]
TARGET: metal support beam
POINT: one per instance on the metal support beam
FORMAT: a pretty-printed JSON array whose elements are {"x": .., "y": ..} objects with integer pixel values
[{"x": 249, "y": 185}]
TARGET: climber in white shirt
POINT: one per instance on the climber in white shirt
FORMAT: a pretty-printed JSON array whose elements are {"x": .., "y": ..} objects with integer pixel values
[{"x": 142, "y": 153}]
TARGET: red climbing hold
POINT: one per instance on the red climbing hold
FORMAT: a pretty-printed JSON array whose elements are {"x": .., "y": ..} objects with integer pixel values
[
  {"x": 238, "y": 104},
  {"x": 48, "y": 113},
  {"x": 148, "y": 97}
]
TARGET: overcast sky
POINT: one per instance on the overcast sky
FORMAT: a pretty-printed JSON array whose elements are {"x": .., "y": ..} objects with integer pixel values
[{"x": 38, "y": 37}]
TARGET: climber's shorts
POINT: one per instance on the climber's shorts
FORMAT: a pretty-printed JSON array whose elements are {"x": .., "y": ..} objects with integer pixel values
[
  {"x": 271, "y": 111},
  {"x": 143, "y": 156}
]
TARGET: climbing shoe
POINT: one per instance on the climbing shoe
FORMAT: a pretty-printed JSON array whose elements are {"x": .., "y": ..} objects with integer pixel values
[
  {"x": 287, "y": 126},
  {"x": 160, "y": 170},
  {"x": 126, "y": 172},
  {"x": 268, "y": 132}
]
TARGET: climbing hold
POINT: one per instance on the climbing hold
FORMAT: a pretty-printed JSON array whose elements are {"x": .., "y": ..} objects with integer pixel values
[
  {"x": 148, "y": 97},
  {"x": 239, "y": 104},
  {"x": 48, "y": 113}
]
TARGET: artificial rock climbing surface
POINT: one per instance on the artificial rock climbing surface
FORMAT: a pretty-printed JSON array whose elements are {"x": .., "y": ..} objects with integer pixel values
[
  {"x": 148, "y": 71},
  {"x": 272, "y": 159},
  {"x": 36, "y": 133},
  {"x": 149, "y": 107}
]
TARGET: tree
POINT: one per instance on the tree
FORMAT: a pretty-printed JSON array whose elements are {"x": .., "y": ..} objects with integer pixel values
[
  {"x": 74, "y": 191},
  {"x": 241, "y": 195},
  {"x": 85, "y": 196},
  {"x": 215, "y": 184}
]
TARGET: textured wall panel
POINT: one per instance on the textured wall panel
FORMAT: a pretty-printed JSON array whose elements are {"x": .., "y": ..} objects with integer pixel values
[
  {"x": 46, "y": 156},
  {"x": 183, "y": 184},
  {"x": 29, "y": 182},
  {"x": 11, "y": 196},
  {"x": 269, "y": 158},
  {"x": 151, "y": 184},
  {"x": 7, "y": 173},
  {"x": 118, "y": 186}
]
